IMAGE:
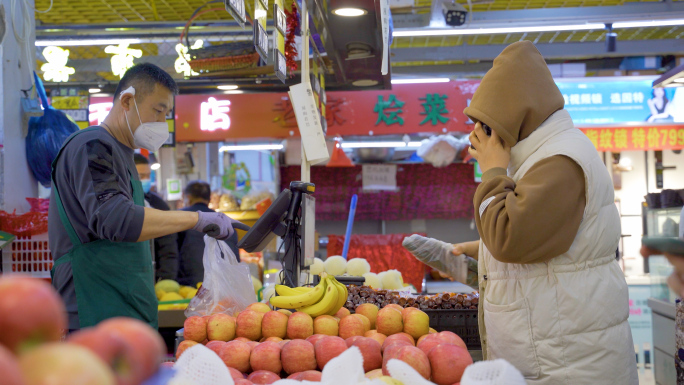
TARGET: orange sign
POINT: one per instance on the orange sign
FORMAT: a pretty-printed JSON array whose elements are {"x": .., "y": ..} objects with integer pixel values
[
  {"x": 407, "y": 108},
  {"x": 616, "y": 139}
]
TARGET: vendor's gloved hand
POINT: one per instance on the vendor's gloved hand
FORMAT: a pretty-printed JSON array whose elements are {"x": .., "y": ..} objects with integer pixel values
[{"x": 218, "y": 225}]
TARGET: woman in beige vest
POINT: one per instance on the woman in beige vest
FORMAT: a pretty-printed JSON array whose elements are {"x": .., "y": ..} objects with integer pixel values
[{"x": 554, "y": 301}]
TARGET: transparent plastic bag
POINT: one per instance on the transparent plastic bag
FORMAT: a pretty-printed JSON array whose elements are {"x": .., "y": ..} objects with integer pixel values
[
  {"x": 440, "y": 151},
  {"x": 227, "y": 286}
]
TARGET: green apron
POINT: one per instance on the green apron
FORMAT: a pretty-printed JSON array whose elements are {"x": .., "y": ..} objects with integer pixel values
[{"x": 112, "y": 279}]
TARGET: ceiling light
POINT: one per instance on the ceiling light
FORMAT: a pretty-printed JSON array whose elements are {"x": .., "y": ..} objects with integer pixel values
[
  {"x": 227, "y": 88},
  {"x": 420, "y": 81},
  {"x": 365, "y": 83},
  {"x": 680, "y": 80},
  {"x": 381, "y": 145},
  {"x": 94, "y": 90},
  {"x": 71, "y": 43},
  {"x": 649, "y": 23},
  {"x": 350, "y": 12},
  {"x": 155, "y": 166},
  {"x": 251, "y": 147},
  {"x": 503, "y": 30},
  {"x": 233, "y": 92}
]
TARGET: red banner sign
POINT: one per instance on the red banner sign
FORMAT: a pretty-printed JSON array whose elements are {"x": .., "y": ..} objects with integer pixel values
[
  {"x": 616, "y": 139},
  {"x": 409, "y": 108}
]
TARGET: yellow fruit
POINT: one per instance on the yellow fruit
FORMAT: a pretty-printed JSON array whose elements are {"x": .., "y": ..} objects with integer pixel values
[
  {"x": 199, "y": 284},
  {"x": 190, "y": 293},
  {"x": 184, "y": 291},
  {"x": 171, "y": 297},
  {"x": 390, "y": 381},
  {"x": 160, "y": 293},
  {"x": 168, "y": 285},
  {"x": 257, "y": 284}
]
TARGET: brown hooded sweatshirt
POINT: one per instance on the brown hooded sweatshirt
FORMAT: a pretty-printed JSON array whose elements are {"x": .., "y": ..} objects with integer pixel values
[{"x": 536, "y": 219}]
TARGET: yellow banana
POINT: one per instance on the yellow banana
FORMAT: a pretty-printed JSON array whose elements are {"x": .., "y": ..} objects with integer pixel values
[
  {"x": 301, "y": 299},
  {"x": 342, "y": 294},
  {"x": 324, "y": 305},
  {"x": 289, "y": 291}
]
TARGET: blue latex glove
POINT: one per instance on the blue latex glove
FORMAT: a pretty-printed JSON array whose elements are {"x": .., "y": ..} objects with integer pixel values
[{"x": 218, "y": 225}]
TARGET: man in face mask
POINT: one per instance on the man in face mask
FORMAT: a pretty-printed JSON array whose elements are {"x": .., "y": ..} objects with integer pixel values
[
  {"x": 164, "y": 249},
  {"x": 99, "y": 227}
]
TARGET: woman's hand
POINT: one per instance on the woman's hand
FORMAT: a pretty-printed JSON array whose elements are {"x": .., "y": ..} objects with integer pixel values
[
  {"x": 471, "y": 249},
  {"x": 489, "y": 151}
]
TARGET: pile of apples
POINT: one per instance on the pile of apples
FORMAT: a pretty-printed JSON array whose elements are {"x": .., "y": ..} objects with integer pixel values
[
  {"x": 33, "y": 321},
  {"x": 261, "y": 346}
]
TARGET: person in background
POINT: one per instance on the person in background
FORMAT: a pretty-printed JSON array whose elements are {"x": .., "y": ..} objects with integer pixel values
[
  {"x": 164, "y": 249},
  {"x": 554, "y": 301},
  {"x": 676, "y": 280},
  {"x": 191, "y": 243}
]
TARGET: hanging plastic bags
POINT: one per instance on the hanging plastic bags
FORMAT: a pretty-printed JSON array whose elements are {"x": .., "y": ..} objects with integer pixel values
[
  {"x": 46, "y": 134},
  {"x": 440, "y": 151},
  {"x": 227, "y": 286}
]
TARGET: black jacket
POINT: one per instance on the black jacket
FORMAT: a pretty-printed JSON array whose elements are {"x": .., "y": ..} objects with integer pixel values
[
  {"x": 166, "y": 247},
  {"x": 191, "y": 247}
]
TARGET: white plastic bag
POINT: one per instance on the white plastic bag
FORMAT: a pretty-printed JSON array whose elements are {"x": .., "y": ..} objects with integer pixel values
[
  {"x": 440, "y": 151},
  {"x": 227, "y": 286},
  {"x": 201, "y": 366}
]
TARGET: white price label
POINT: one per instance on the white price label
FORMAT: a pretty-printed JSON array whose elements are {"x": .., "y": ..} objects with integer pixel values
[
  {"x": 384, "y": 14},
  {"x": 261, "y": 41},
  {"x": 309, "y": 122},
  {"x": 280, "y": 65},
  {"x": 280, "y": 20},
  {"x": 380, "y": 177}
]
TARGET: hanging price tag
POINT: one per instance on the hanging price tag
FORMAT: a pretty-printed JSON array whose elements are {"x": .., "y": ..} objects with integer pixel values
[
  {"x": 309, "y": 122},
  {"x": 261, "y": 41},
  {"x": 280, "y": 21},
  {"x": 384, "y": 15},
  {"x": 237, "y": 9},
  {"x": 280, "y": 65}
]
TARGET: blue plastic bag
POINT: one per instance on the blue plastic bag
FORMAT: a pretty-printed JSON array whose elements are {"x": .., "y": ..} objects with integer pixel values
[{"x": 46, "y": 134}]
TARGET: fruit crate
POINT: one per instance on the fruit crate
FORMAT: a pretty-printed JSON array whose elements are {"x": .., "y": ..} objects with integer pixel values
[
  {"x": 29, "y": 255},
  {"x": 460, "y": 321}
]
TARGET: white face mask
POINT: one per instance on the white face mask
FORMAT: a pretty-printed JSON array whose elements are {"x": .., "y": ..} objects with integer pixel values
[{"x": 150, "y": 135}]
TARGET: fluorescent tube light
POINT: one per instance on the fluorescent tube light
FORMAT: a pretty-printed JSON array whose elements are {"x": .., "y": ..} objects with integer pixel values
[
  {"x": 71, "y": 43},
  {"x": 227, "y": 87},
  {"x": 94, "y": 90},
  {"x": 251, "y": 147},
  {"x": 503, "y": 30},
  {"x": 419, "y": 81},
  {"x": 647, "y": 23},
  {"x": 679, "y": 80},
  {"x": 380, "y": 144}
]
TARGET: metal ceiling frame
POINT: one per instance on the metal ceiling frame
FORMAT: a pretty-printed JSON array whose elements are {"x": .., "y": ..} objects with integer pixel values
[
  {"x": 548, "y": 50},
  {"x": 550, "y": 16}
]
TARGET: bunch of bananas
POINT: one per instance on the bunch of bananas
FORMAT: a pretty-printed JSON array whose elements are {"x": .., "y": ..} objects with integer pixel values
[{"x": 326, "y": 298}]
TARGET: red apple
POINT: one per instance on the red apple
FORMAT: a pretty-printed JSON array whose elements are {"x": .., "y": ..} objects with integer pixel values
[
  {"x": 215, "y": 346},
  {"x": 149, "y": 348},
  {"x": 195, "y": 328},
  {"x": 183, "y": 346},
  {"x": 370, "y": 350},
  {"x": 9, "y": 368},
  {"x": 266, "y": 356},
  {"x": 328, "y": 348},
  {"x": 113, "y": 350},
  {"x": 235, "y": 354},
  {"x": 298, "y": 356},
  {"x": 64, "y": 364},
  {"x": 263, "y": 377},
  {"x": 448, "y": 362},
  {"x": 31, "y": 313}
]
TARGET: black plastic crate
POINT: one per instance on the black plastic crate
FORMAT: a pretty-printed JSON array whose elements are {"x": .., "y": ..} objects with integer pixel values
[{"x": 462, "y": 322}]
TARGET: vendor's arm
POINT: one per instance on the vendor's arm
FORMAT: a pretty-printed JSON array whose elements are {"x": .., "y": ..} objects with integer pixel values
[
  {"x": 108, "y": 205},
  {"x": 536, "y": 219},
  {"x": 470, "y": 249},
  {"x": 158, "y": 223}
]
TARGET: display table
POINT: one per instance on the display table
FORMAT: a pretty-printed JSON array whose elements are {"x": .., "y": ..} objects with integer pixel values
[
  {"x": 664, "y": 347},
  {"x": 171, "y": 319}
]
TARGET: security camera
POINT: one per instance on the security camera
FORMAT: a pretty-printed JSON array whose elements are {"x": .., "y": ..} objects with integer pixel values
[{"x": 454, "y": 14}]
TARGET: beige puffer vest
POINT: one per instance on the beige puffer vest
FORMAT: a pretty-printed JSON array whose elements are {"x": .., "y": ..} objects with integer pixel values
[{"x": 563, "y": 321}]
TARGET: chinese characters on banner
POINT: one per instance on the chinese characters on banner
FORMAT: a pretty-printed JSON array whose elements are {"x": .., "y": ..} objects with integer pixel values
[
  {"x": 214, "y": 115},
  {"x": 616, "y": 139}
]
